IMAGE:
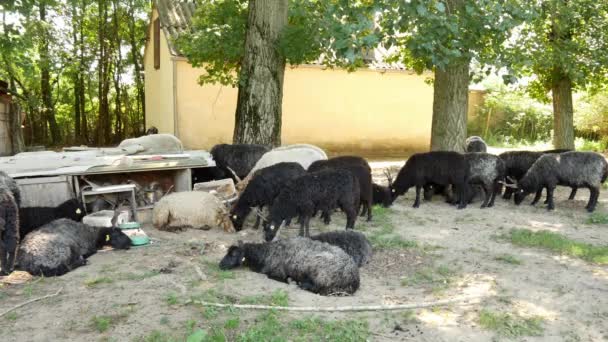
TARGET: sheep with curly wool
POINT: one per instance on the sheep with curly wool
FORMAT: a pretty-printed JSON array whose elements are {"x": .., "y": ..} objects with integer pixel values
[
  {"x": 191, "y": 209},
  {"x": 31, "y": 218},
  {"x": 12, "y": 186},
  {"x": 63, "y": 245},
  {"x": 9, "y": 229},
  {"x": 353, "y": 243},
  {"x": 316, "y": 266},
  {"x": 573, "y": 169},
  {"x": 302, "y": 154},
  {"x": 263, "y": 188}
]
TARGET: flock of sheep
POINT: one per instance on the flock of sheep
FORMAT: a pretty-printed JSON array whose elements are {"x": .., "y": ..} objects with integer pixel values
[{"x": 298, "y": 182}]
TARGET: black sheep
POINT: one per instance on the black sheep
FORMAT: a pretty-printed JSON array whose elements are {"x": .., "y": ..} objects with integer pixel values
[
  {"x": 438, "y": 167},
  {"x": 263, "y": 188},
  {"x": 323, "y": 190},
  {"x": 237, "y": 158},
  {"x": 360, "y": 168},
  {"x": 316, "y": 266},
  {"x": 12, "y": 186},
  {"x": 9, "y": 229},
  {"x": 31, "y": 218},
  {"x": 475, "y": 144},
  {"x": 381, "y": 195},
  {"x": 353, "y": 243},
  {"x": 517, "y": 164},
  {"x": 574, "y": 169}
]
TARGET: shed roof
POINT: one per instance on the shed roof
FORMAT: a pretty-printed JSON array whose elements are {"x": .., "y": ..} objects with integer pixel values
[{"x": 176, "y": 16}]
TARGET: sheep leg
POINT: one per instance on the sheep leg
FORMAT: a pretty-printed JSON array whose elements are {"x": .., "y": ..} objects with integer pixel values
[
  {"x": 256, "y": 225},
  {"x": 550, "y": 203},
  {"x": 537, "y": 197},
  {"x": 495, "y": 190},
  {"x": 572, "y": 193},
  {"x": 3, "y": 261},
  {"x": 594, "y": 194},
  {"x": 368, "y": 204},
  {"x": 417, "y": 201},
  {"x": 461, "y": 191},
  {"x": 428, "y": 192},
  {"x": 486, "y": 198},
  {"x": 507, "y": 194}
]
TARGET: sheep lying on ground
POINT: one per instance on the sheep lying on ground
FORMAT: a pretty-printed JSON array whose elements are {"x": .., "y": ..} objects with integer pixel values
[
  {"x": 9, "y": 229},
  {"x": 360, "y": 168},
  {"x": 63, "y": 245},
  {"x": 438, "y": 167},
  {"x": 324, "y": 190},
  {"x": 574, "y": 169},
  {"x": 475, "y": 144},
  {"x": 517, "y": 163},
  {"x": 154, "y": 144},
  {"x": 302, "y": 154},
  {"x": 240, "y": 158},
  {"x": 316, "y": 266},
  {"x": 31, "y": 218},
  {"x": 191, "y": 209},
  {"x": 263, "y": 188},
  {"x": 12, "y": 186},
  {"x": 353, "y": 243}
]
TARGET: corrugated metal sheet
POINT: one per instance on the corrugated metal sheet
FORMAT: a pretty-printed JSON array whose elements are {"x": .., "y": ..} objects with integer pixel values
[{"x": 175, "y": 18}]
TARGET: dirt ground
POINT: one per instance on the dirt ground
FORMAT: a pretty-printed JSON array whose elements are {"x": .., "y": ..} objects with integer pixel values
[{"x": 432, "y": 253}]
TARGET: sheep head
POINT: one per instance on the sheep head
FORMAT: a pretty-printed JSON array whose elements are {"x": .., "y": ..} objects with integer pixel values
[{"x": 233, "y": 258}]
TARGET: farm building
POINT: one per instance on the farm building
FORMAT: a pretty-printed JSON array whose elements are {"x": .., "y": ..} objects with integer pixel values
[{"x": 381, "y": 108}]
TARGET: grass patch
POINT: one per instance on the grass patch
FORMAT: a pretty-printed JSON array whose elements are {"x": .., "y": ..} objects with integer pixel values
[
  {"x": 171, "y": 299},
  {"x": 276, "y": 298},
  {"x": 597, "y": 218},
  {"x": 232, "y": 323},
  {"x": 11, "y": 316},
  {"x": 558, "y": 243},
  {"x": 384, "y": 236},
  {"x": 218, "y": 273},
  {"x": 510, "y": 325},
  {"x": 508, "y": 259},
  {"x": 101, "y": 323},
  {"x": 438, "y": 278},
  {"x": 98, "y": 281},
  {"x": 316, "y": 328}
]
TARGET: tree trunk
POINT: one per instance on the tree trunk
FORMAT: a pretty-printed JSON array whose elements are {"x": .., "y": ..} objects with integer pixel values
[
  {"x": 450, "y": 104},
  {"x": 103, "y": 124},
  {"x": 563, "y": 112},
  {"x": 15, "y": 123},
  {"x": 137, "y": 60},
  {"x": 117, "y": 73},
  {"x": 260, "y": 96},
  {"x": 45, "y": 81},
  {"x": 84, "y": 130}
]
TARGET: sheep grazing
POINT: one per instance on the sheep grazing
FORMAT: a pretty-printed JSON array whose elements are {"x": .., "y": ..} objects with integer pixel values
[
  {"x": 360, "y": 169},
  {"x": 517, "y": 163},
  {"x": 574, "y": 169},
  {"x": 316, "y": 266},
  {"x": 63, "y": 245},
  {"x": 324, "y": 190},
  {"x": 437, "y": 167},
  {"x": 31, "y": 218},
  {"x": 475, "y": 144},
  {"x": 381, "y": 195},
  {"x": 353, "y": 243},
  {"x": 486, "y": 170},
  {"x": 263, "y": 188},
  {"x": 9, "y": 229},
  {"x": 11, "y": 184},
  {"x": 191, "y": 209},
  {"x": 237, "y": 158},
  {"x": 302, "y": 154}
]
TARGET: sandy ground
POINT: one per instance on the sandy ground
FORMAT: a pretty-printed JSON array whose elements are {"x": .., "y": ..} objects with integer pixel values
[{"x": 149, "y": 288}]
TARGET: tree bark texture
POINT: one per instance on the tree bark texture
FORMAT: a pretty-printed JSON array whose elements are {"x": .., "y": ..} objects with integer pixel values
[
  {"x": 260, "y": 96},
  {"x": 450, "y": 103},
  {"x": 563, "y": 112},
  {"x": 104, "y": 127}
]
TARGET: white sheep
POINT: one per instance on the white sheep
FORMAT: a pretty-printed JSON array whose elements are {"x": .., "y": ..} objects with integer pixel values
[
  {"x": 302, "y": 154},
  {"x": 153, "y": 144},
  {"x": 191, "y": 209}
]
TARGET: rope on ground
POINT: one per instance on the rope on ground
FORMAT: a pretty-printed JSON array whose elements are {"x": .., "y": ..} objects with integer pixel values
[
  {"x": 342, "y": 308},
  {"x": 31, "y": 301}
]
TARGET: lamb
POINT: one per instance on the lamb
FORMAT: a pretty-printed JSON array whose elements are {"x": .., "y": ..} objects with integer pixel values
[
  {"x": 63, "y": 245},
  {"x": 353, "y": 243},
  {"x": 360, "y": 169},
  {"x": 574, "y": 169},
  {"x": 475, "y": 144},
  {"x": 517, "y": 163},
  {"x": 437, "y": 167},
  {"x": 263, "y": 189},
  {"x": 9, "y": 229},
  {"x": 316, "y": 266},
  {"x": 31, "y": 218},
  {"x": 302, "y": 154},
  {"x": 324, "y": 190},
  {"x": 12, "y": 186},
  {"x": 191, "y": 209},
  {"x": 239, "y": 158}
]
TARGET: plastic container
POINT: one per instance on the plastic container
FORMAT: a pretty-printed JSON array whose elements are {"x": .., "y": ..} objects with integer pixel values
[{"x": 135, "y": 233}]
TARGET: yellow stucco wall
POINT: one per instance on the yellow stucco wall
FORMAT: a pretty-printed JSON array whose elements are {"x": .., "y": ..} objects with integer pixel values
[
  {"x": 361, "y": 111},
  {"x": 159, "y": 83}
]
